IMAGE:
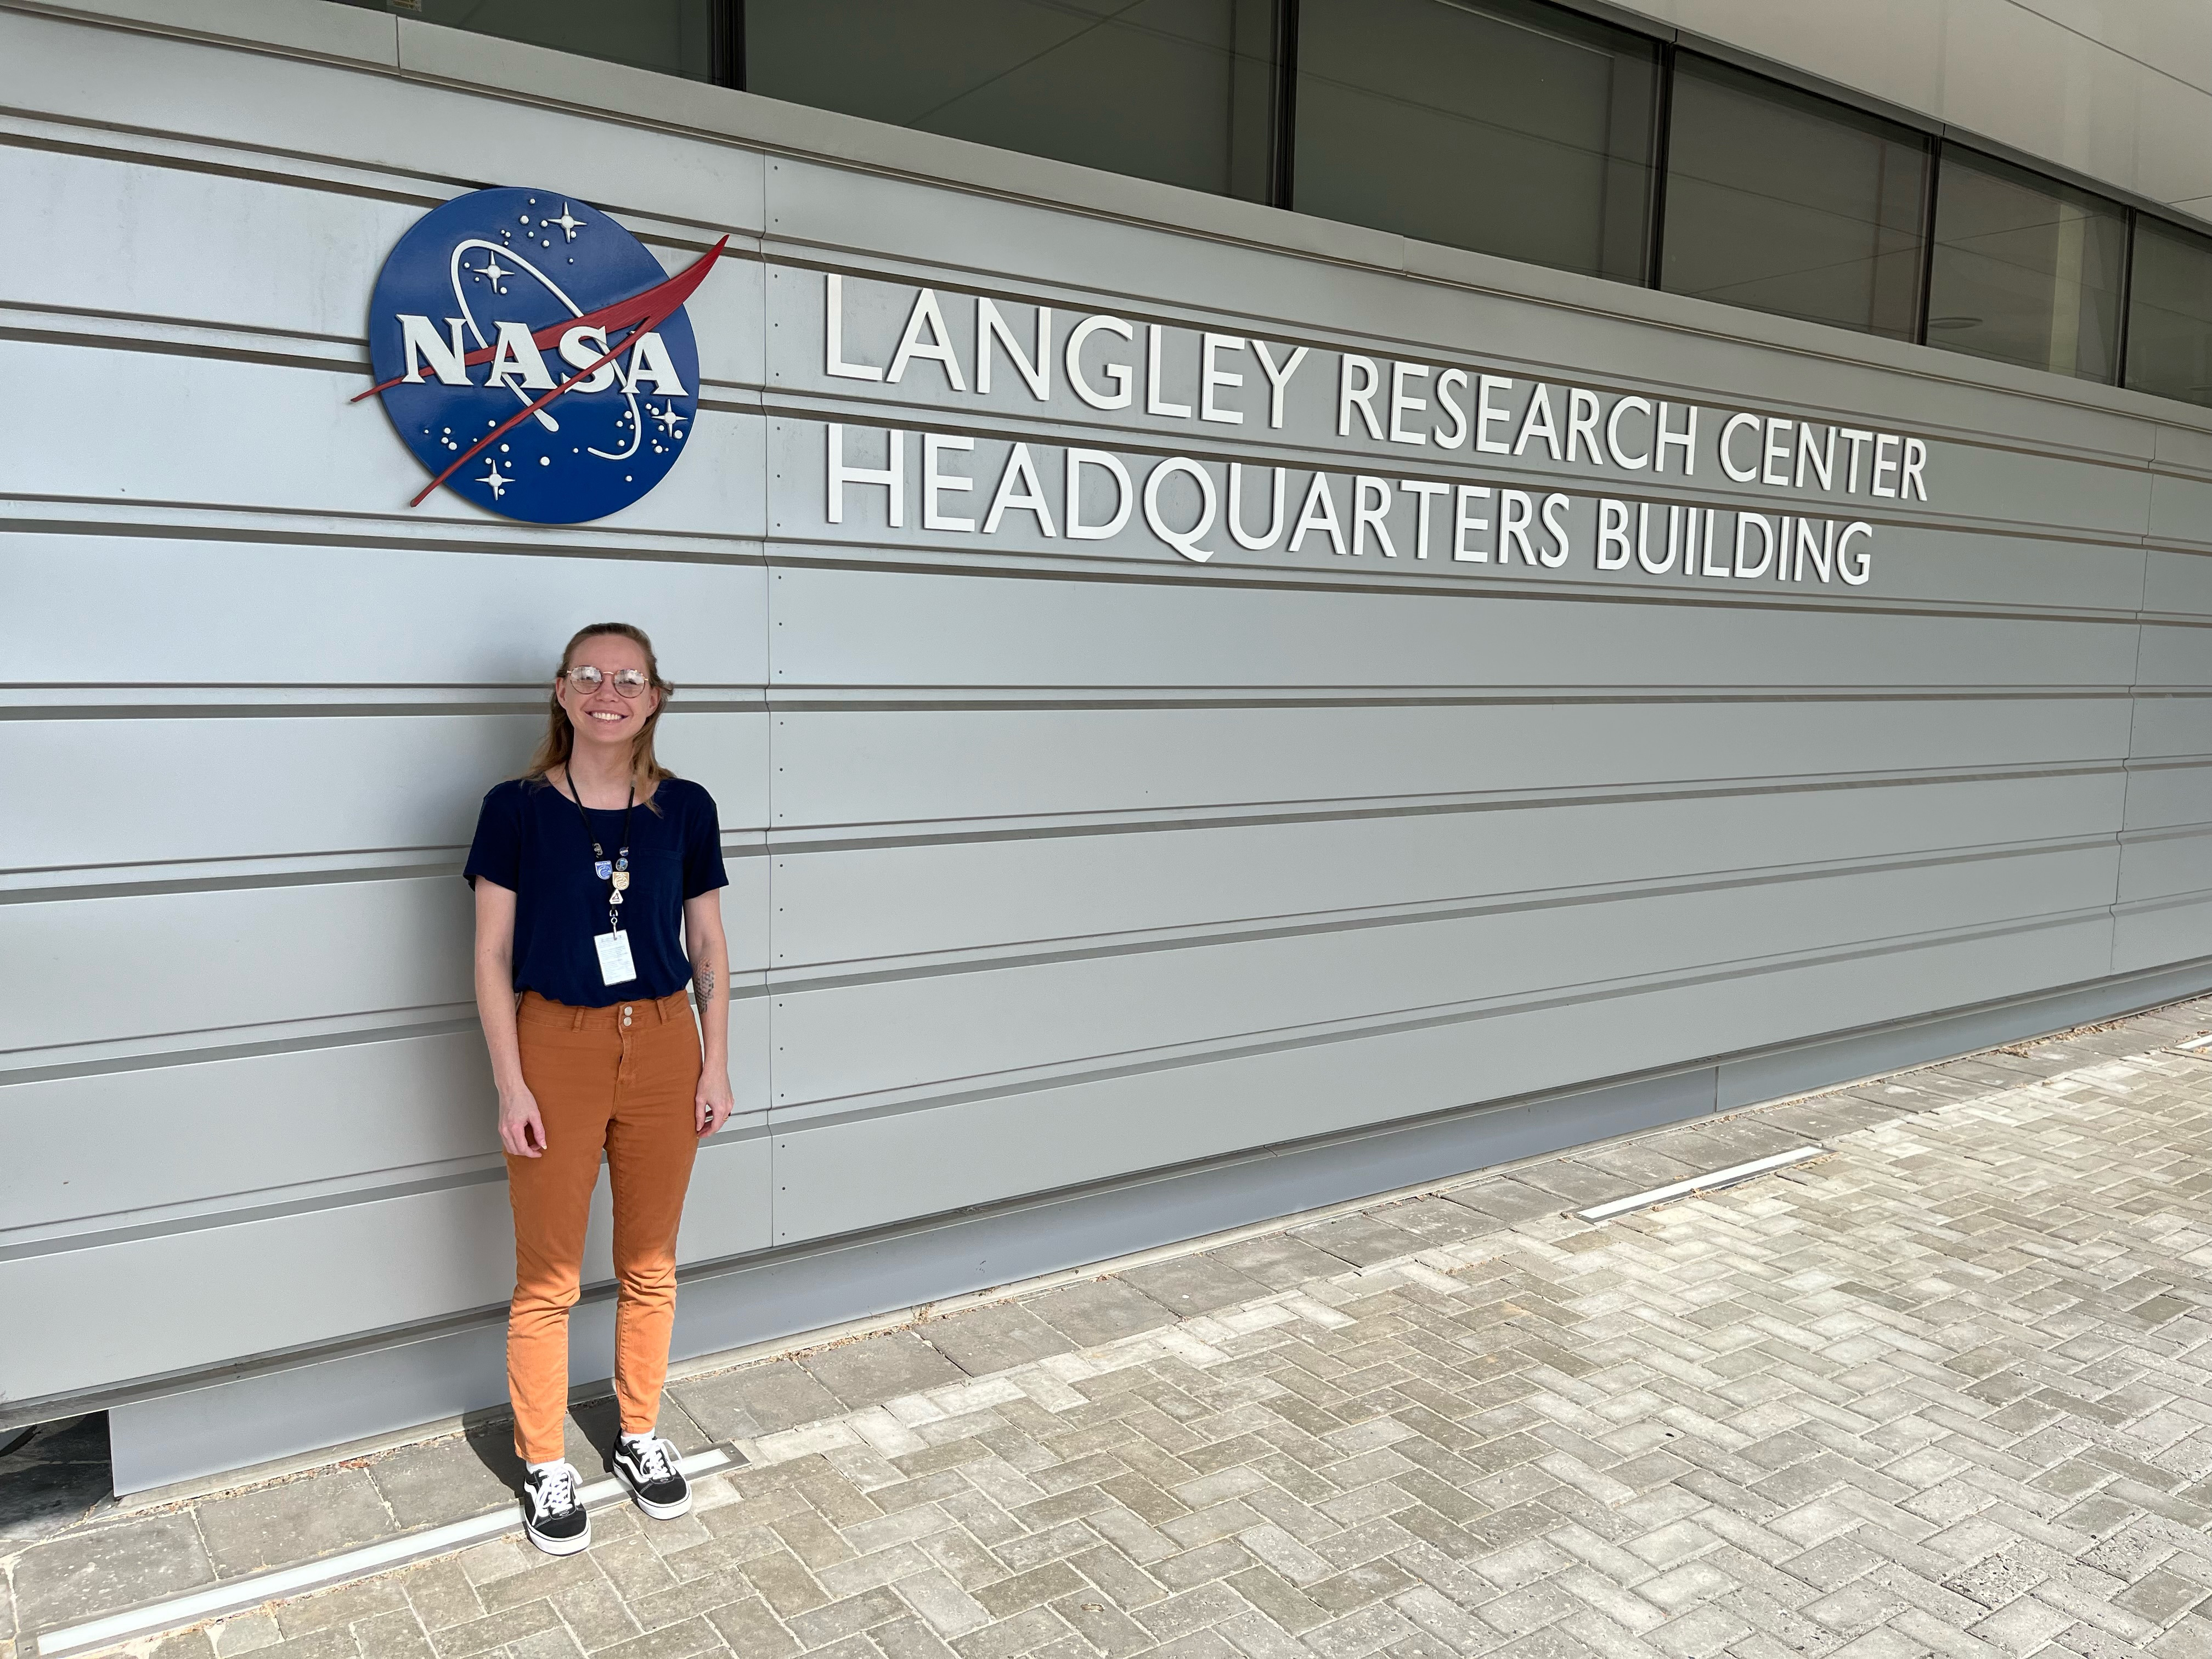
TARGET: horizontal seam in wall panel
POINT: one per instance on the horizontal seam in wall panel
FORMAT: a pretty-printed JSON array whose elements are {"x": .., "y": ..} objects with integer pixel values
[
  {"x": 239, "y": 1051},
  {"x": 746, "y": 985},
  {"x": 179, "y": 348},
  {"x": 267, "y": 711},
  {"x": 2190, "y": 831},
  {"x": 426, "y": 195},
  {"x": 796, "y": 843},
  {"x": 229, "y": 882},
  {"x": 1040, "y": 1080},
  {"x": 162, "y": 161},
  {"x": 796, "y": 981},
  {"x": 705, "y": 547},
  {"x": 349, "y": 342},
  {"x": 68, "y": 893},
  {"x": 747, "y": 550},
  {"x": 2192, "y": 896},
  {"x": 286, "y": 702},
  {"x": 788, "y": 552},
  {"x": 68, "y": 1243},
  {"x": 800, "y": 840},
  {"x": 905, "y": 702}
]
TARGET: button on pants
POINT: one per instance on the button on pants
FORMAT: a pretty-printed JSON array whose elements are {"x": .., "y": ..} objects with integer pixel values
[{"x": 620, "y": 1080}]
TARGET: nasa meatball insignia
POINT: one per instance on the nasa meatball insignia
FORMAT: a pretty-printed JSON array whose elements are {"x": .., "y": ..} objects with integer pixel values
[{"x": 534, "y": 355}]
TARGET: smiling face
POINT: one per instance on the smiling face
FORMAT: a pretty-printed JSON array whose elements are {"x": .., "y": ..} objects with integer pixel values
[{"x": 604, "y": 720}]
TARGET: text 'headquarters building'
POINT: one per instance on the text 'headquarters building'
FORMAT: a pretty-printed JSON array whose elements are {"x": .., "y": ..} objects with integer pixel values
[{"x": 1281, "y": 597}]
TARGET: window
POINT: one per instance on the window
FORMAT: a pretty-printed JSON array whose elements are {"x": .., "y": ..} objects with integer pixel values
[
  {"x": 675, "y": 37},
  {"x": 1505, "y": 126},
  {"x": 2169, "y": 313},
  {"x": 1785, "y": 202},
  {"x": 1178, "y": 90},
  {"x": 2025, "y": 270}
]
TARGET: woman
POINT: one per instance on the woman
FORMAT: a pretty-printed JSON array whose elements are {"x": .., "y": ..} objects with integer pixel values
[{"x": 598, "y": 876}]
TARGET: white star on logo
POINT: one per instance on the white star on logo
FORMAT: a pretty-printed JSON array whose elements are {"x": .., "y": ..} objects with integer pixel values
[
  {"x": 497, "y": 483},
  {"x": 492, "y": 268},
  {"x": 668, "y": 417},
  {"x": 567, "y": 222}
]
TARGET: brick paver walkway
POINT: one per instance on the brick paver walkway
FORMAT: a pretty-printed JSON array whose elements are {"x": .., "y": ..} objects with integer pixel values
[{"x": 1948, "y": 1390}]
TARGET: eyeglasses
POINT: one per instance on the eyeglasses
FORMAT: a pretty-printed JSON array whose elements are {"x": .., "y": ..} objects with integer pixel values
[{"x": 585, "y": 679}]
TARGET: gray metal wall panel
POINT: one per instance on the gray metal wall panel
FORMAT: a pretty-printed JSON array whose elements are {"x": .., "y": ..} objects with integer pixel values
[
  {"x": 940, "y": 1028},
  {"x": 855, "y": 627},
  {"x": 399, "y": 620},
  {"x": 201, "y": 1295},
  {"x": 1052, "y": 863},
  {"x": 837, "y": 1177},
  {"x": 917, "y": 766},
  {"x": 852, "y": 903}
]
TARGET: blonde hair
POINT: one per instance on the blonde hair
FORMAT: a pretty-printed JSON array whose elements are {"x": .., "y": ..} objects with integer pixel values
[{"x": 560, "y": 738}]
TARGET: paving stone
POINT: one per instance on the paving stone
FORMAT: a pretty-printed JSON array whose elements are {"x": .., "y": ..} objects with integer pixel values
[
  {"x": 1099, "y": 1311},
  {"x": 996, "y": 1337},
  {"x": 335, "y": 1609},
  {"x": 447, "y": 1480},
  {"x": 879, "y": 1367},
  {"x": 758, "y": 1400},
  {"x": 247, "y": 1631},
  {"x": 400, "y": 1635},
  {"x": 106, "y": 1568},
  {"x": 1361, "y": 1240},
  {"x": 1276, "y": 1260},
  {"x": 1195, "y": 1284},
  {"x": 295, "y": 1521}
]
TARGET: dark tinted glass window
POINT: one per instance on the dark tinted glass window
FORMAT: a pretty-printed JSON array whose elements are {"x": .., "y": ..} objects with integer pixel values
[
  {"x": 2026, "y": 270},
  {"x": 1508, "y": 127},
  {"x": 673, "y": 36},
  {"x": 1177, "y": 90},
  {"x": 2169, "y": 313},
  {"x": 1785, "y": 202}
]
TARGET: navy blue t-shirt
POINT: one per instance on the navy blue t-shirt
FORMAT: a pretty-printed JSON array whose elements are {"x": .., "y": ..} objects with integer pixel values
[{"x": 529, "y": 841}]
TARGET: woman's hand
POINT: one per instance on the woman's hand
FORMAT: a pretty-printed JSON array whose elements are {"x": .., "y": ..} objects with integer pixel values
[
  {"x": 521, "y": 1131},
  {"x": 714, "y": 1104}
]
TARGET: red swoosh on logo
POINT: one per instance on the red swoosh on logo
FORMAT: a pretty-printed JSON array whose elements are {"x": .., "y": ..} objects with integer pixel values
[{"x": 641, "y": 314}]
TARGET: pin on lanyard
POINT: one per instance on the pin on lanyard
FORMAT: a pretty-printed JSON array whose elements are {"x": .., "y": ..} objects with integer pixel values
[{"x": 616, "y": 871}]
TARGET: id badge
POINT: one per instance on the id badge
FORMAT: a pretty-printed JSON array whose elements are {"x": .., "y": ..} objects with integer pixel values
[{"x": 616, "y": 967}]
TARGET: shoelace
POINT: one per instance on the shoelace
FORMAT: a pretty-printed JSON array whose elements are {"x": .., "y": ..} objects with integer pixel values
[
  {"x": 653, "y": 1461},
  {"x": 556, "y": 1492}
]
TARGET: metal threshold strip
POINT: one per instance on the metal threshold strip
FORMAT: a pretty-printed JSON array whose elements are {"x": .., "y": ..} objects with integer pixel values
[
  {"x": 240, "y": 1594},
  {"x": 1704, "y": 1183}
]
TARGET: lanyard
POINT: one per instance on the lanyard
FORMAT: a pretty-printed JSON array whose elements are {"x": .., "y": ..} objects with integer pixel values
[{"x": 615, "y": 871}]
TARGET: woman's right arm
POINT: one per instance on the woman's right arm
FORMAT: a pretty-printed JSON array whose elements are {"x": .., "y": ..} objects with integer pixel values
[{"x": 521, "y": 1131}]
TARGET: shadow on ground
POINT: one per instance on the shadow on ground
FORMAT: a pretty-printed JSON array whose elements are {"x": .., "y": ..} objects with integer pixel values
[
  {"x": 52, "y": 1480},
  {"x": 490, "y": 1437}
]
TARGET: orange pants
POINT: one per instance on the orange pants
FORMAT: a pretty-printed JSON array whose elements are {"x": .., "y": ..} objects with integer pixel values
[{"x": 620, "y": 1079}]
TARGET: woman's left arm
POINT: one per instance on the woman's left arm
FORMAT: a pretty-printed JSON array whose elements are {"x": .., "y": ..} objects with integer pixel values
[{"x": 710, "y": 989}]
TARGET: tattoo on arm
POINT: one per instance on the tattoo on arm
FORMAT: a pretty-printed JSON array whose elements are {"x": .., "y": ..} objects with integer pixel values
[{"x": 703, "y": 988}]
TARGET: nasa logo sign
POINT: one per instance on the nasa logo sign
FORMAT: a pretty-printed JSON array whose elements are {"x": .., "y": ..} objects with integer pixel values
[{"x": 534, "y": 355}]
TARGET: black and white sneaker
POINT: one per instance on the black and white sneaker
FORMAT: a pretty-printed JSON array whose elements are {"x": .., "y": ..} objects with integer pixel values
[
  {"x": 647, "y": 1466},
  {"x": 551, "y": 1512}
]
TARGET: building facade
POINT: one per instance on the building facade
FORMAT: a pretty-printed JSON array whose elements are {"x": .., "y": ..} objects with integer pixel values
[{"x": 1280, "y": 602}]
